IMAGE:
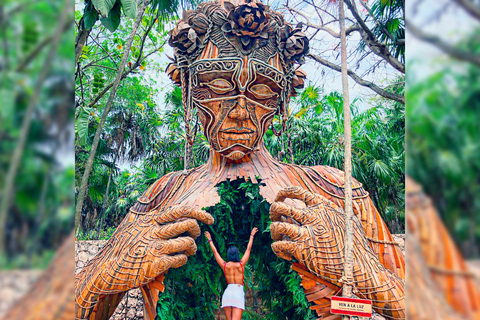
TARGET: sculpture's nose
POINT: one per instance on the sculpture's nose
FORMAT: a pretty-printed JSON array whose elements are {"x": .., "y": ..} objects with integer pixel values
[{"x": 240, "y": 111}]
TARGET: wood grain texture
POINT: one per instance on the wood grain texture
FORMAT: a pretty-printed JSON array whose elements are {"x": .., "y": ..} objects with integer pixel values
[
  {"x": 142, "y": 248},
  {"x": 50, "y": 298}
]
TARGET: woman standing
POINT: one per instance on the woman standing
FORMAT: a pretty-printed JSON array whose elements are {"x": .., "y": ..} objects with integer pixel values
[{"x": 233, "y": 300}]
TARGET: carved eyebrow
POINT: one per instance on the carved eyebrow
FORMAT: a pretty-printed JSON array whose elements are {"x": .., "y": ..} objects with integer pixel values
[{"x": 208, "y": 64}]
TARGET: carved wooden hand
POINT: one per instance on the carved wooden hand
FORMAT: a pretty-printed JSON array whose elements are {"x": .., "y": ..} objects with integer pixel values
[
  {"x": 143, "y": 247},
  {"x": 315, "y": 237}
]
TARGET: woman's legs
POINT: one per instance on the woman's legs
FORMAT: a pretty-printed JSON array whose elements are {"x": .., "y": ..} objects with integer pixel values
[
  {"x": 237, "y": 314},
  {"x": 228, "y": 312}
]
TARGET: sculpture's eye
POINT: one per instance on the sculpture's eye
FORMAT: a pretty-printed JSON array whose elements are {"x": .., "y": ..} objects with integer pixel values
[
  {"x": 220, "y": 86},
  {"x": 262, "y": 91}
]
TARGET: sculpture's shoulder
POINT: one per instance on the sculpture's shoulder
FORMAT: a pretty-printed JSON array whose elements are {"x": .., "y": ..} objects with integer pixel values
[
  {"x": 159, "y": 192},
  {"x": 332, "y": 180}
]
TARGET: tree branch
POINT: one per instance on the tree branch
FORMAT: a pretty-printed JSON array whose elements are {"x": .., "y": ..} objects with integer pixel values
[
  {"x": 372, "y": 42},
  {"x": 445, "y": 47},
  {"x": 124, "y": 75},
  {"x": 470, "y": 7},
  {"x": 100, "y": 66},
  {"x": 152, "y": 23},
  {"x": 378, "y": 23},
  {"x": 80, "y": 40},
  {"x": 321, "y": 27},
  {"x": 384, "y": 93}
]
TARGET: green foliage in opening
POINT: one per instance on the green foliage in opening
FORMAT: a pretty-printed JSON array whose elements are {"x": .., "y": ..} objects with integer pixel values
[{"x": 194, "y": 291}]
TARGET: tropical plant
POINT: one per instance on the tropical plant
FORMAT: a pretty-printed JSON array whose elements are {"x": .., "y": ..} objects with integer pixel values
[
  {"x": 381, "y": 26},
  {"x": 443, "y": 145},
  {"x": 35, "y": 92}
]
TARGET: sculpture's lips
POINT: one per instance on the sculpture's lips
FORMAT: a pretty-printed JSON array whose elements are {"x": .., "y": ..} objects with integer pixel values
[{"x": 237, "y": 131}]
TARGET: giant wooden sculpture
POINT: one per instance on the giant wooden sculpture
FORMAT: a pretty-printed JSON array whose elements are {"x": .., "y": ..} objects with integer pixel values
[{"x": 238, "y": 66}]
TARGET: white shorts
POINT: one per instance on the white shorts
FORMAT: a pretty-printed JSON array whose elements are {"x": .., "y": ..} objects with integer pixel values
[{"x": 234, "y": 296}]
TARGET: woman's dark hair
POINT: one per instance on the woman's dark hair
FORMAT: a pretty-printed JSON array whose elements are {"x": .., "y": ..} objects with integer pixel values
[{"x": 233, "y": 254}]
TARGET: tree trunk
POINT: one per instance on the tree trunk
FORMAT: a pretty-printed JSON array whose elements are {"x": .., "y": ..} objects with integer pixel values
[
  {"x": 187, "y": 156},
  {"x": 290, "y": 147},
  {"x": 105, "y": 199},
  {"x": 348, "y": 258},
  {"x": 96, "y": 139},
  {"x": 8, "y": 193},
  {"x": 39, "y": 218},
  {"x": 80, "y": 40}
]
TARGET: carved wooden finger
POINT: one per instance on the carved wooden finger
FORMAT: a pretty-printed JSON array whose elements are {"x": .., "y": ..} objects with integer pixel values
[
  {"x": 298, "y": 193},
  {"x": 279, "y": 209},
  {"x": 175, "y": 261},
  {"x": 281, "y": 229},
  {"x": 175, "y": 213},
  {"x": 173, "y": 230},
  {"x": 285, "y": 249},
  {"x": 178, "y": 245}
]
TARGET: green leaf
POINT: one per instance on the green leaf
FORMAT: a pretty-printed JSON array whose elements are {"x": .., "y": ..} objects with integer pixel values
[
  {"x": 90, "y": 17},
  {"x": 81, "y": 125},
  {"x": 113, "y": 20},
  {"x": 392, "y": 25},
  {"x": 129, "y": 8},
  {"x": 104, "y": 6},
  {"x": 7, "y": 111}
]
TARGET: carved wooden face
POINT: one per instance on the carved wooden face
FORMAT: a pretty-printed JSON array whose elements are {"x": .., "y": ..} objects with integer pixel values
[{"x": 236, "y": 101}]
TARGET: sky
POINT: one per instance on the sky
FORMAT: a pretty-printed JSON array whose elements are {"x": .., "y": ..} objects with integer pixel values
[{"x": 437, "y": 17}]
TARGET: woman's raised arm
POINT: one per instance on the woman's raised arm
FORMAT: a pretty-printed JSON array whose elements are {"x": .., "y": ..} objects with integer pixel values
[
  {"x": 246, "y": 255},
  {"x": 219, "y": 259}
]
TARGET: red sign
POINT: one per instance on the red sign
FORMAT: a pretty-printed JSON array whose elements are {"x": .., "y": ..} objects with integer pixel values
[{"x": 351, "y": 307}]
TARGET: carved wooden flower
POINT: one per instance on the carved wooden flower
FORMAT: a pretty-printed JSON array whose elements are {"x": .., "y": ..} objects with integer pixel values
[
  {"x": 199, "y": 22},
  {"x": 248, "y": 20},
  {"x": 294, "y": 43},
  {"x": 183, "y": 37}
]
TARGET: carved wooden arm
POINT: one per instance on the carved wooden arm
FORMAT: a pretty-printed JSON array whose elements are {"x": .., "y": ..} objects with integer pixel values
[
  {"x": 315, "y": 236},
  {"x": 142, "y": 248}
]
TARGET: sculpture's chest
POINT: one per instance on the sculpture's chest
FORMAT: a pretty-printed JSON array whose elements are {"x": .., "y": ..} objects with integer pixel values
[{"x": 198, "y": 188}]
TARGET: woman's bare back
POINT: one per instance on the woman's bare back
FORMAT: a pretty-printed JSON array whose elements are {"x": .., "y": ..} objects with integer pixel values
[{"x": 234, "y": 273}]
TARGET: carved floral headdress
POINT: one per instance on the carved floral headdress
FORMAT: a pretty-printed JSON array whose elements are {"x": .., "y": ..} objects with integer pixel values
[{"x": 250, "y": 29}]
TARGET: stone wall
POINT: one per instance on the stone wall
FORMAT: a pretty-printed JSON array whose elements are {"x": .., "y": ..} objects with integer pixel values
[{"x": 13, "y": 285}]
